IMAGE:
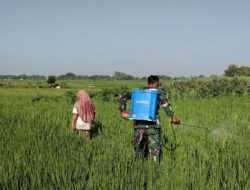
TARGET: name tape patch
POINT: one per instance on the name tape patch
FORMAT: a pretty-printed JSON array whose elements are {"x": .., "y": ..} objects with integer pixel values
[{"x": 142, "y": 102}]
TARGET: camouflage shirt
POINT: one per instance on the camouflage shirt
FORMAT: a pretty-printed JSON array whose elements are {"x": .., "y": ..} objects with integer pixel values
[{"x": 162, "y": 100}]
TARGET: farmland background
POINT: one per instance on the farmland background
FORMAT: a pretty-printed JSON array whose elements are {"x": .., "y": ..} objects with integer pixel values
[{"x": 40, "y": 151}]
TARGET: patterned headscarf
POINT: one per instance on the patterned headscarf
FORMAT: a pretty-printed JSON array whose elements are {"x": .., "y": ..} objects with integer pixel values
[{"x": 85, "y": 106}]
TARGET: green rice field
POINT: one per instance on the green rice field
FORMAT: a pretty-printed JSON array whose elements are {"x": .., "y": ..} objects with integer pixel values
[{"x": 39, "y": 150}]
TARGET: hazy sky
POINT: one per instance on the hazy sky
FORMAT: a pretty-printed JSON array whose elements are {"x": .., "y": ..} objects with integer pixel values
[{"x": 140, "y": 37}]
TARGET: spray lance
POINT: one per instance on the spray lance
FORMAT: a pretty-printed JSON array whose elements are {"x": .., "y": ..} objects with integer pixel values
[
  {"x": 175, "y": 143},
  {"x": 194, "y": 126}
]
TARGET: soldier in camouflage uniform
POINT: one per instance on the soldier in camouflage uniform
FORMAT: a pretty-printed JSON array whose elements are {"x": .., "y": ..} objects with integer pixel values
[{"x": 149, "y": 130}]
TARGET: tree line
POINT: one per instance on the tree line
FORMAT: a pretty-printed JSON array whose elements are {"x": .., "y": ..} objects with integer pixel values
[
  {"x": 71, "y": 76},
  {"x": 231, "y": 71},
  {"x": 22, "y": 77},
  {"x": 116, "y": 76}
]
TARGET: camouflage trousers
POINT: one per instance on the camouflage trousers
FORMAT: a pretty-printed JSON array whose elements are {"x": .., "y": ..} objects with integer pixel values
[{"x": 150, "y": 136}]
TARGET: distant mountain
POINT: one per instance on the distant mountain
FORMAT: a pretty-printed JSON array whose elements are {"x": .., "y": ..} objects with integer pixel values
[{"x": 125, "y": 66}]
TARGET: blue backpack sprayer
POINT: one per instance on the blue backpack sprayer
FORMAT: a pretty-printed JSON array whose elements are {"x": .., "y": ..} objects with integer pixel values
[{"x": 143, "y": 105}]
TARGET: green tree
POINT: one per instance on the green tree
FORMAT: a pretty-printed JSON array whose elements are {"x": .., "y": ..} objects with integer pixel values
[
  {"x": 67, "y": 76},
  {"x": 245, "y": 71},
  {"x": 122, "y": 76},
  {"x": 232, "y": 70},
  {"x": 51, "y": 79}
]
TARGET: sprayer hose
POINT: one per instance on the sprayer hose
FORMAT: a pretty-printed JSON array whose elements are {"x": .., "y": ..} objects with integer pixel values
[{"x": 175, "y": 143}]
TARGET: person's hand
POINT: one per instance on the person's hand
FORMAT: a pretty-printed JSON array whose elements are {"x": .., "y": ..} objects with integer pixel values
[
  {"x": 73, "y": 127},
  {"x": 124, "y": 115},
  {"x": 175, "y": 120}
]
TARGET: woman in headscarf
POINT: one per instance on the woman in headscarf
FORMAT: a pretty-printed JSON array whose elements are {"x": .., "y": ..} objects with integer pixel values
[{"x": 83, "y": 114}]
